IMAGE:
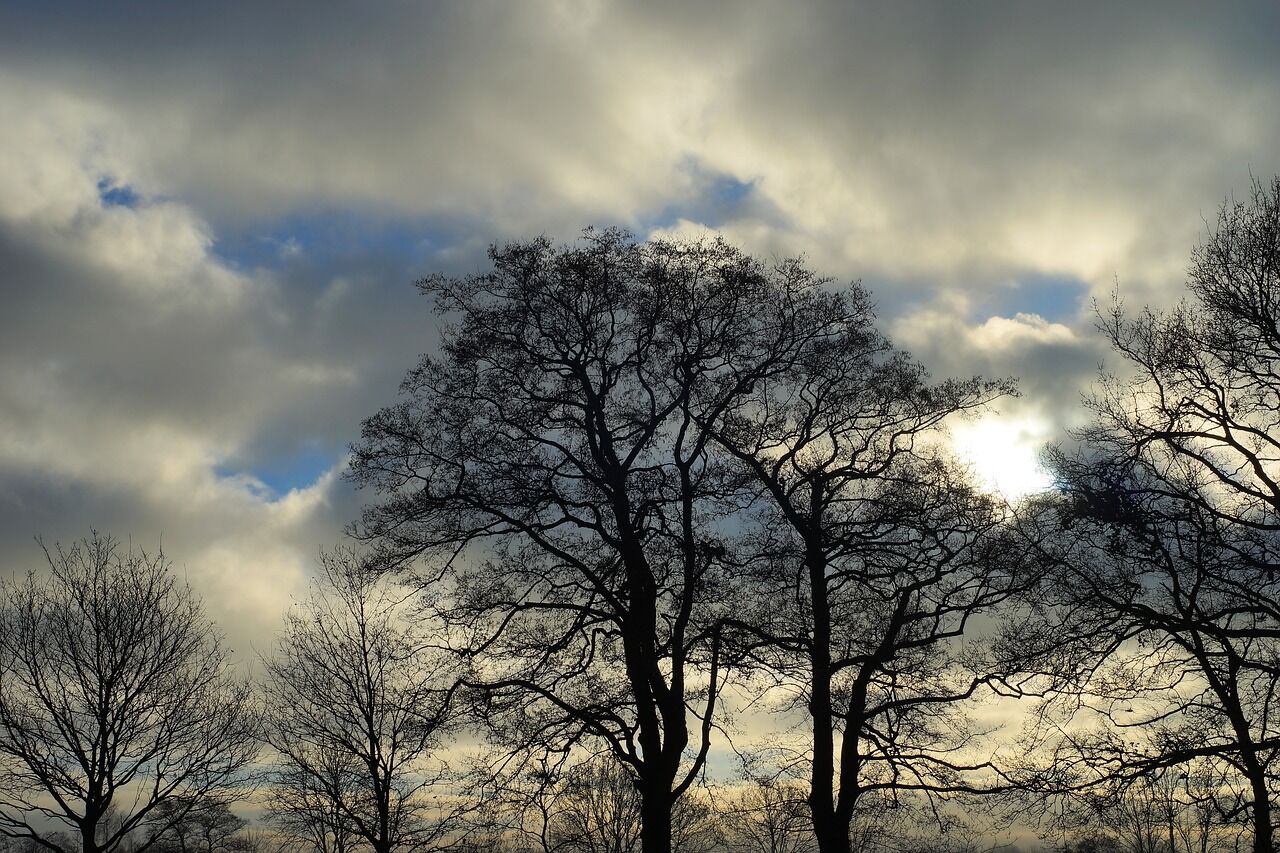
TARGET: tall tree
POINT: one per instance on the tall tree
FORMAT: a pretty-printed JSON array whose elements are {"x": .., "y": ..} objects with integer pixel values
[
  {"x": 552, "y": 472},
  {"x": 358, "y": 711},
  {"x": 875, "y": 557},
  {"x": 116, "y": 698},
  {"x": 1174, "y": 508}
]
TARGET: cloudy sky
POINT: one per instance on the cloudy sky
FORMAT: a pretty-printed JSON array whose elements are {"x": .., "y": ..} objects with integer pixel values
[{"x": 213, "y": 214}]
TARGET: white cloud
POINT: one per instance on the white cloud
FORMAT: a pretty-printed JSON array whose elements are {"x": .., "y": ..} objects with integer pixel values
[
  {"x": 1002, "y": 333},
  {"x": 903, "y": 143},
  {"x": 1004, "y": 453}
]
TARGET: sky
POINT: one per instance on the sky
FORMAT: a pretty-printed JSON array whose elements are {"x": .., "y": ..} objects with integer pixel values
[{"x": 212, "y": 214}]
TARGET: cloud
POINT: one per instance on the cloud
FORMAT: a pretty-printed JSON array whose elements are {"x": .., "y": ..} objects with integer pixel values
[
  {"x": 1004, "y": 453},
  {"x": 135, "y": 365},
  {"x": 1020, "y": 332},
  {"x": 1053, "y": 363},
  {"x": 912, "y": 142},
  {"x": 212, "y": 211}
]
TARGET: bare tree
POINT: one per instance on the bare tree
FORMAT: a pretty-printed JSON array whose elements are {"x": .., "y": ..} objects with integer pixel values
[
  {"x": 358, "y": 709},
  {"x": 1176, "y": 810},
  {"x": 305, "y": 804},
  {"x": 695, "y": 824},
  {"x": 599, "y": 810},
  {"x": 1174, "y": 513},
  {"x": 1187, "y": 673},
  {"x": 552, "y": 474},
  {"x": 586, "y": 805},
  {"x": 523, "y": 803},
  {"x": 767, "y": 816},
  {"x": 208, "y": 827},
  {"x": 1169, "y": 811},
  {"x": 875, "y": 557},
  {"x": 116, "y": 695}
]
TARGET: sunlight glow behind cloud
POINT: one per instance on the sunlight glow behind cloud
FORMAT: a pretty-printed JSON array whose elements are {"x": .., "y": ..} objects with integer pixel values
[{"x": 1004, "y": 453}]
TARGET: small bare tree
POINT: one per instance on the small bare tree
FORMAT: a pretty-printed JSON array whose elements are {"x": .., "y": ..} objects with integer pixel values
[
  {"x": 116, "y": 697},
  {"x": 768, "y": 816},
  {"x": 209, "y": 827},
  {"x": 359, "y": 706},
  {"x": 573, "y": 804},
  {"x": 601, "y": 810},
  {"x": 304, "y": 805}
]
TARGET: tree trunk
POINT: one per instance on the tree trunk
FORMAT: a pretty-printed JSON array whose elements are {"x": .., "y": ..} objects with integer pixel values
[
  {"x": 1253, "y": 769},
  {"x": 833, "y": 837},
  {"x": 822, "y": 778},
  {"x": 89, "y": 837},
  {"x": 832, "y": 834},
  {"x": 655, "y": 820},
  {"x": 1262, "y": 834}
]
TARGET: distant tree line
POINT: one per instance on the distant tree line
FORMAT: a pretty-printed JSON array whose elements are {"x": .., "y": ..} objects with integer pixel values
[{"x": 641, "y": 491}]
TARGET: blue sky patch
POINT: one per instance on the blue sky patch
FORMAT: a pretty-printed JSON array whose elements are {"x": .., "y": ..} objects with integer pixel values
[
  {"x": 286, "y": 472},
  {"x": 1056, "y": 298},
  {"x": 714, "y": 199},
  {"x": 731, "y": 191},
  {"x": 112, "y": 194},
  {"x": 333, "y": 235}
]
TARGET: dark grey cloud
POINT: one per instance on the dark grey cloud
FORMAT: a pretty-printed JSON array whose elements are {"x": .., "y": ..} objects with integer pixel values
[{"x": 868, "y": 124}]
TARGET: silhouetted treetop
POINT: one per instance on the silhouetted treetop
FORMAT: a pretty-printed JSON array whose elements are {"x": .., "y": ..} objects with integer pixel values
[
  {"x": 572, "y": 472},
  {"x": 1173, "y": 509},
  {"x": 120, "y": 715}
]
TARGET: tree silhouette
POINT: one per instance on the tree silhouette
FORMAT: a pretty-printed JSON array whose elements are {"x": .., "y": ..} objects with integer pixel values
[
  {"x": 767, "y": 816},
  {"x": 553, "y": 475},
  {"x": 207, "y": 827},
  {"x": 1173, "y": 504},
  {"x": 116, "y": 699},
  {"x": 873, "y": 556},
  {"x": 358, "y": 710},
  {"x": 305, "y": 804}
]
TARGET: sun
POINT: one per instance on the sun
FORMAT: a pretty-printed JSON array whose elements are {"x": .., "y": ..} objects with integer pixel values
[{"x": 1005, "y": 454}]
